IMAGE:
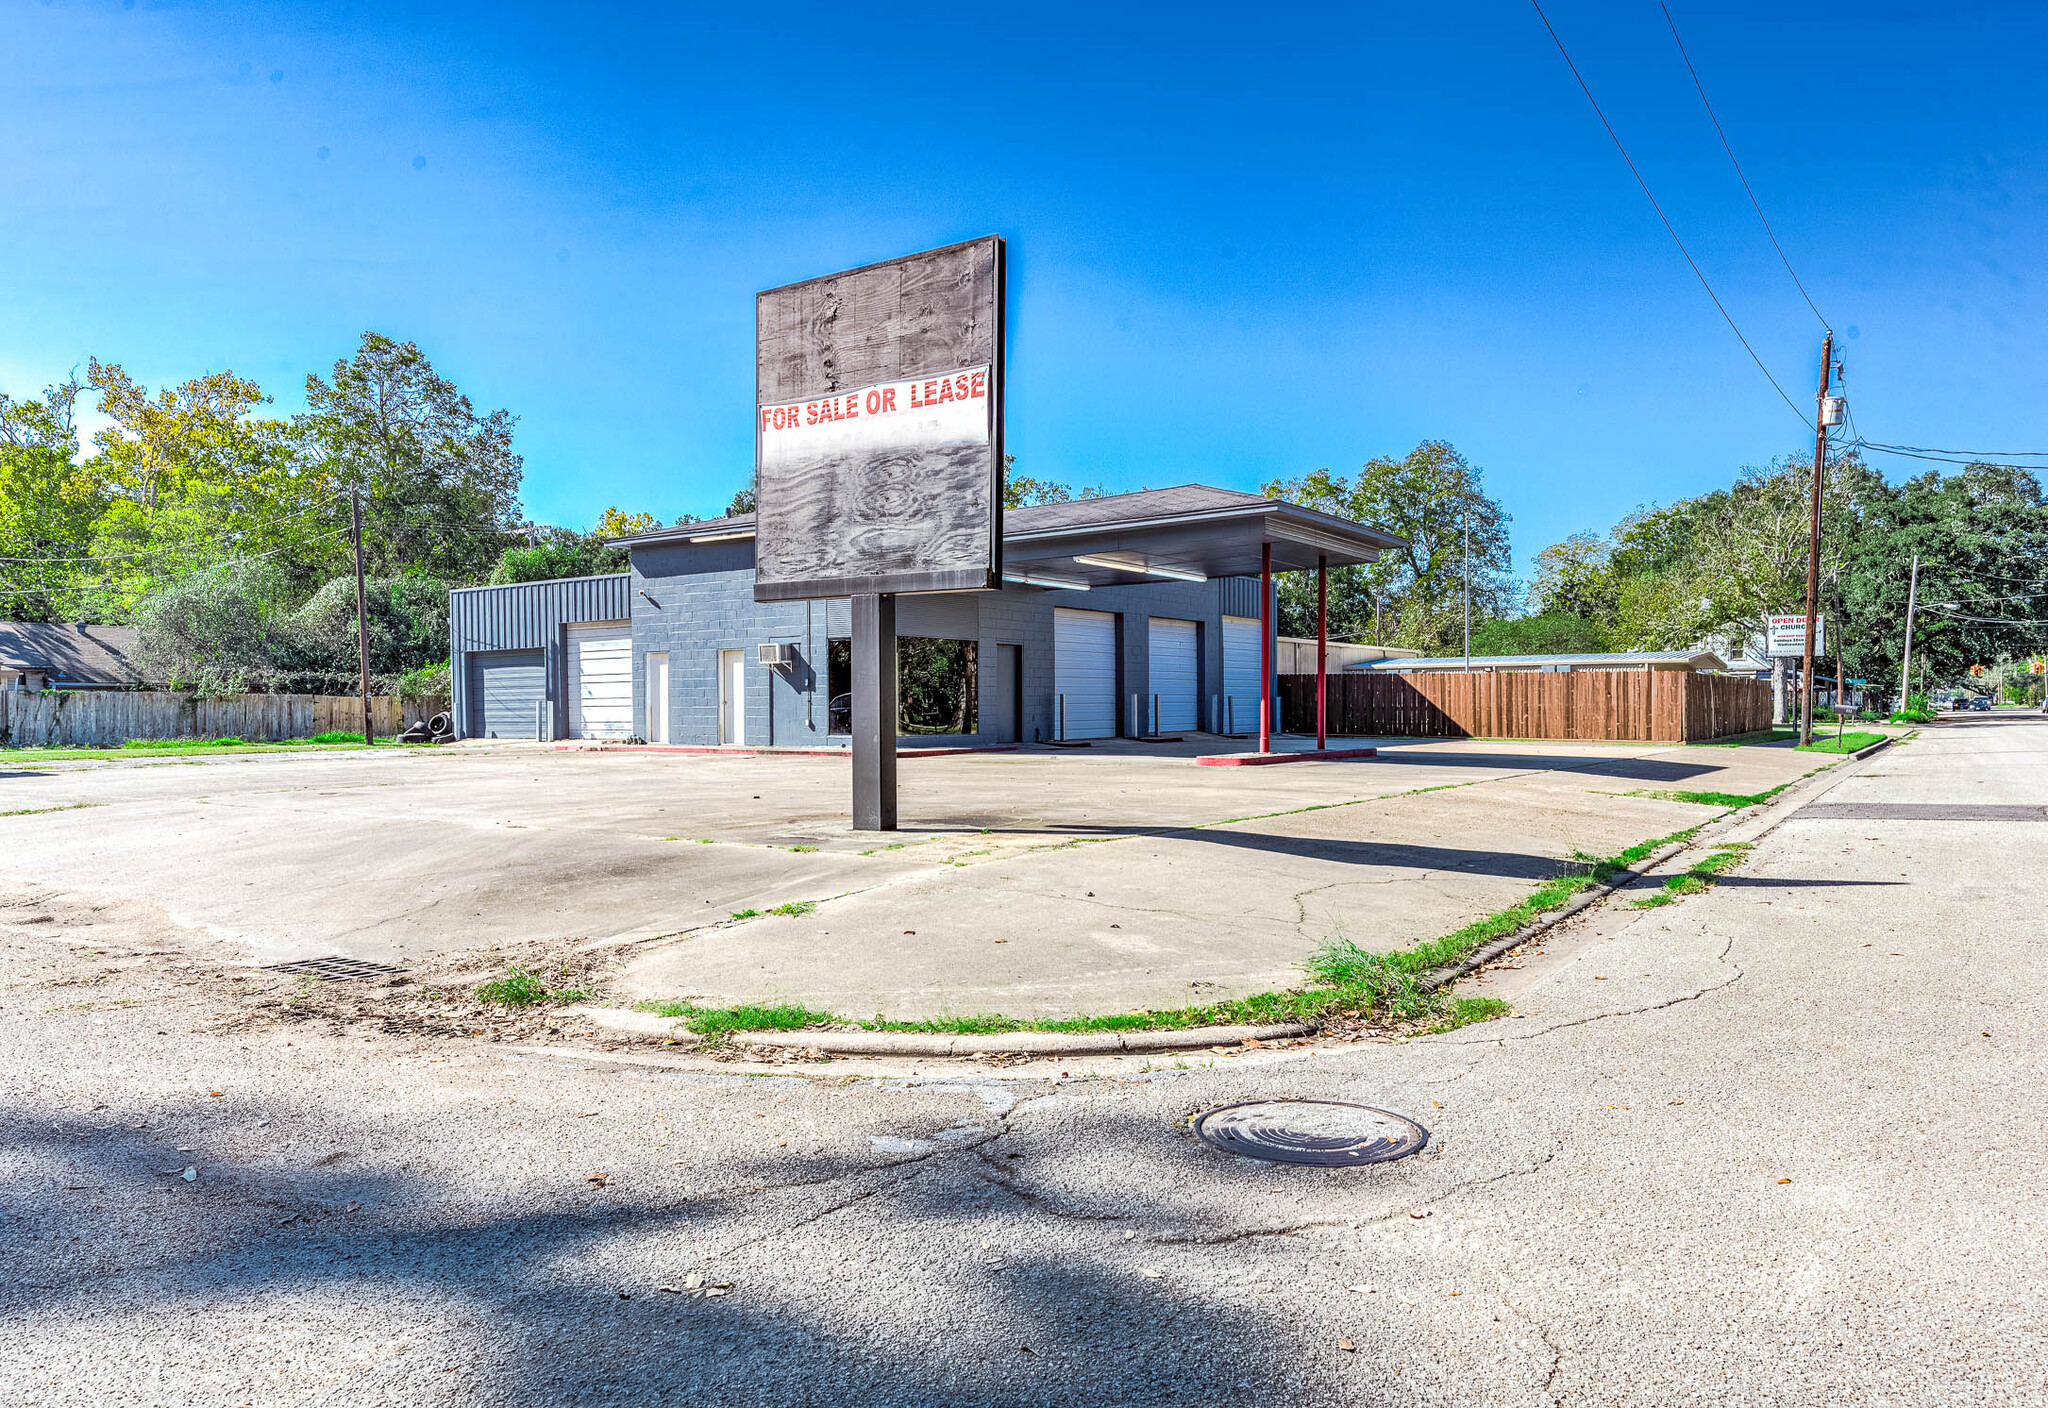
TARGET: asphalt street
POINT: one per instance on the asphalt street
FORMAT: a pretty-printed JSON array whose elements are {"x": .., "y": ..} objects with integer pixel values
[{"x": 1778, "y": 1143}]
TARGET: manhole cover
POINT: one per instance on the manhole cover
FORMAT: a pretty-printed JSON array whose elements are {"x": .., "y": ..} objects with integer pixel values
[
  {"x": 333, "y": 969},
  {"x": 1329, "y": 1133}
]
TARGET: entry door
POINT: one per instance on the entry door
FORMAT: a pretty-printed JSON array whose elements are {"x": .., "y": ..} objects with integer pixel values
[
  {"x": 732, "y": 696},
  {"x": 657, "y": 696},
  {"x": 1175, "y": 675},
  {"x": 1006, "y": 709},
  {"x": 601, "y": 681},
  {"x": 1239, "y": 706},
  {"x": 1084, "y": 673}
]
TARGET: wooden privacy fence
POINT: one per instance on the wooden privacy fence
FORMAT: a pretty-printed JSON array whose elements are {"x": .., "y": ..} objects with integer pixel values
[
  {"x": 109, "y": 718},
  {"x": 1659, "y": 706}
]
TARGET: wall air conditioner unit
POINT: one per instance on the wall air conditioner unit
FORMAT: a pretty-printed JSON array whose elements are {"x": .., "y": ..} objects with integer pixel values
[{"x": 778, "y": 655}]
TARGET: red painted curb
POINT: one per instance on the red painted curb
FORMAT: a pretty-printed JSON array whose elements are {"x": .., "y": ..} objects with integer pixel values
[
  {"x": 739, "y": 752},
  {"x": 1259, "y": 760}
]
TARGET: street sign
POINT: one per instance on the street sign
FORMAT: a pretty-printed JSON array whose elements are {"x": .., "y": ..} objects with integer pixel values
[
  {"x": 878, "y": 428},
  {"x": 1787, "y": 636}
]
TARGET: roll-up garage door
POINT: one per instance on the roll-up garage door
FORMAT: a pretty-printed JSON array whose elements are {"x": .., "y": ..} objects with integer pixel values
[
  {"x": 1174, "y": 675},
  {"x": 1240, "y": 702},
  {"x": 506, "y": 689},
  {"x": 601, "y": 681},
  {"x": 1084, "y": 673}
]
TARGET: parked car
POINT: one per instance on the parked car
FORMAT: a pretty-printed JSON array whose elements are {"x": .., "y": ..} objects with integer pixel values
[{"x": 839, "y": 714}]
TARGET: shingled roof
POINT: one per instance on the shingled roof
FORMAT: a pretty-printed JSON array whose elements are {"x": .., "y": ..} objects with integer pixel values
[{"x": 72, "y": 655}]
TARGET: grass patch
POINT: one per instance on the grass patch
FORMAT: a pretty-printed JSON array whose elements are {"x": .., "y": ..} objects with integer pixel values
[
  {"x": 39, "y": 811},
  {"x": 152, "y": 744},
  {"x": 802, "y": 850},
  {"x": 1343, "y": 978},
  {"x": 1696, "y": 879},
  {"x": 794, "y": 909},
  {"x": 522, "y": 987},
  {"x": 746, "y": 914},
  {"x": 1728, "y": 801},
  {"x": 1847, "y": 743},
  {"x": 745, "y": 1017},
  {"x": 332, "y": 736}
]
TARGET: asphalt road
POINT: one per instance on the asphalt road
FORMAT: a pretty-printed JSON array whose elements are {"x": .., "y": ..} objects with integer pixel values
[{"x": 1778, "y": 1143}]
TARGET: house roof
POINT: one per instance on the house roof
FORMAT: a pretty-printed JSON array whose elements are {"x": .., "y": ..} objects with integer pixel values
[
  {"x": 1616, "y": 660},
  {"x": 73, "y": 654},
  {"x": 1188, "y": 529}
]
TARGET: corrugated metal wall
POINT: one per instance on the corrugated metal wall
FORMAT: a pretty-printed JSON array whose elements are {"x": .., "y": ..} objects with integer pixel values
[
  {"x": 1240, "y": 596},
  {"x": 527, "y": 616}
]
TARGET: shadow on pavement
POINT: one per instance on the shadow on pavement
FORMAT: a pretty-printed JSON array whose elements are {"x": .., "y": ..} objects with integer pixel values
[{"x": 255, "y": 1268}]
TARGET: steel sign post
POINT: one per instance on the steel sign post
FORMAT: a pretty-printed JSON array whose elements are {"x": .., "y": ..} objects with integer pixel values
[{"x": 878, "y": 455}]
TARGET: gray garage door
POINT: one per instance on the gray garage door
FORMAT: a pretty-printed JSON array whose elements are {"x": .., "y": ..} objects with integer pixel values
[
  {"x": 1174, "y": 674},
  {"x": 506, "y": 688},
  {"x": 1084, "y": 673}
]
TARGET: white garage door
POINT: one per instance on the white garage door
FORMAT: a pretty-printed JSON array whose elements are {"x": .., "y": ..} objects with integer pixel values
[
  {"x": 1084, "y": 673},
  {"x": 1240, "y": 703},
  {"x": 601, "y": 681},
  {"x": 1174, "y": 675}
]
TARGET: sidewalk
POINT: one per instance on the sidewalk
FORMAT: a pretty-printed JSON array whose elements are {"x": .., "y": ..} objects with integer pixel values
[{"x": 1092, "y": 921}]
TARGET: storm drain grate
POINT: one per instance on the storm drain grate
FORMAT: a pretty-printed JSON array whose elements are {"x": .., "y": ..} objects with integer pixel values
[
  {"x": 333, "y": 970},
  {"x": 1922, "y": 811},
  {"x": 1325, "y": 1133}
]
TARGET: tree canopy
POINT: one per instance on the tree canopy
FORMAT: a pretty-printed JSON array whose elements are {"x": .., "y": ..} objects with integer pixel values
[{"x": 1414, "y": 595}]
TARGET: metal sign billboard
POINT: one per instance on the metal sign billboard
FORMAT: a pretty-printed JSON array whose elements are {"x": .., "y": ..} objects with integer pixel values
[
  {"x": 1787, "y": 636},
  {"x": 878, "y": 428}
]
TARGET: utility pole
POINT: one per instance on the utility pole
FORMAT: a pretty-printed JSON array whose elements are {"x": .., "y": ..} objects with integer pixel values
[
  {"x": 1906, "y": 664},
  {"x": 1820, "y": 460},
  {"x": 1468, "y": 589},
  {"x": 355, "y": 517}
]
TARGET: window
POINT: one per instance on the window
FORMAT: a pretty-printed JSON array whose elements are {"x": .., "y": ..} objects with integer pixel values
[{"x": 938, "y": 686}]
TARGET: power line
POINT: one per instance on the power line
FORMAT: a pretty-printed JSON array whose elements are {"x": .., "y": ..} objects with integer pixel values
[
  {"x": 1977, "y": 456},
  {"x": 1937, "y": 458},
  {"x": 1739, "y": 174},
  {"x": 1668, "y": 227}
]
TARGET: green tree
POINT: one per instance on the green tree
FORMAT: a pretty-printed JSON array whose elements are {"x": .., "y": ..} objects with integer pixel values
[
  {"x": 1547, "y": 633},
  {"x": 1413, "y": 596},
  {"x": 440, "y": 482},
  {"x": 49, "y": 503},
  {"x": 194, "y": 476}
]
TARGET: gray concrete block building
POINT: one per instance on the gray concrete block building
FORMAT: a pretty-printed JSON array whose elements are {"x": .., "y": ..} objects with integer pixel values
[{"x": 1120, "y": 616}]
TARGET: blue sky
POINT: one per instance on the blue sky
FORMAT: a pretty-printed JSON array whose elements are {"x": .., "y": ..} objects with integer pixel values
[{"x": 1245, "y": 242}]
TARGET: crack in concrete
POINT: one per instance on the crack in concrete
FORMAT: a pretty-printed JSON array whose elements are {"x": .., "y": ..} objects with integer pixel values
[{"x": 1694, "y": 996}]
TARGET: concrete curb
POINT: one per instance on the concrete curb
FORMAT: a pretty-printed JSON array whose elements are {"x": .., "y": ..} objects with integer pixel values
[
  {"x": 1259, "y": 760},
  {"x": 1585, "y": 899},
  {"x": 641, "y": 1026},
  {"x": 1017, "y": 1043},
  {"x": 1788, "y": 801}
]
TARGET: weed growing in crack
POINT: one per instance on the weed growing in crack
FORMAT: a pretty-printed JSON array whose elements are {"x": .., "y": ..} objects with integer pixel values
[
  {"x": 522, "y": 987},
  {"x": 1696, "y": 879}
]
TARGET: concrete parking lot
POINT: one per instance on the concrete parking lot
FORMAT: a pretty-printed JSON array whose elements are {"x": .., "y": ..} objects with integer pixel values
[
  {"x": 1770, "y": 1144},
  {"x": 1031, "y": 883}
]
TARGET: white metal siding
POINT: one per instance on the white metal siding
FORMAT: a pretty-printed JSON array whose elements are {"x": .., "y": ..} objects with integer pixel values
[
  {"x": 1084, "y": 672},
  {"x": 1175, "y": 675},
  {"x": 601, "y": 681},
  {"x": 1240, "y": 703}
]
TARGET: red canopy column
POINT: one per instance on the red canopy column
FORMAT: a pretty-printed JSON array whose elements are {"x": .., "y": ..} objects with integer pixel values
[{"x": 1265, "y": 647}]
